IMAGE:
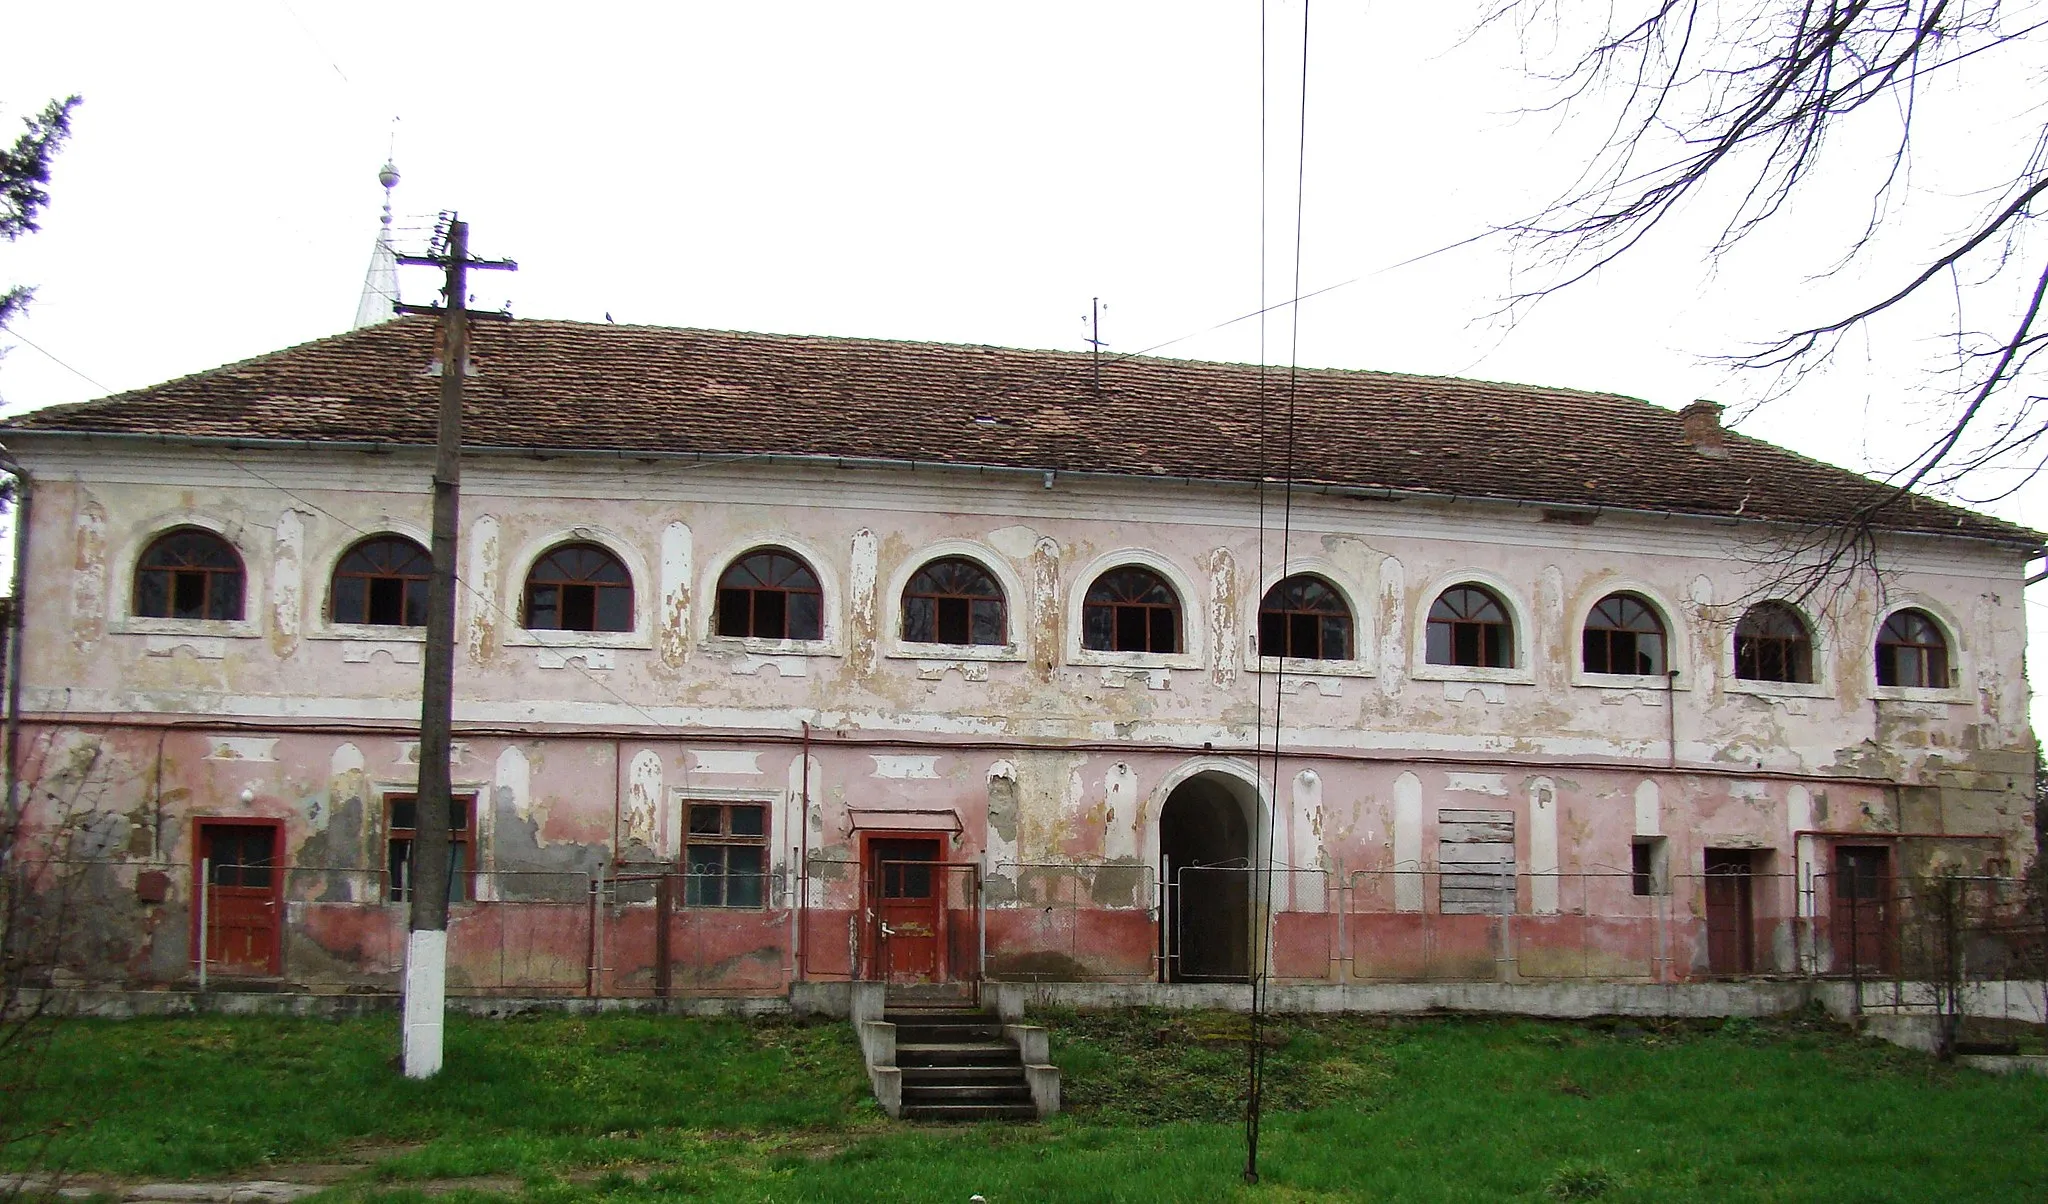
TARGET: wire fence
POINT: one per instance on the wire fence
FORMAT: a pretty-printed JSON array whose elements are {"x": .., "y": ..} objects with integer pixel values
[{"x": 1948, "y": 945}]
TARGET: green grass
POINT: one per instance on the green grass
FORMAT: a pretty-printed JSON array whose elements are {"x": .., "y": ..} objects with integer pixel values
[{"x": 630, "y": 1110}]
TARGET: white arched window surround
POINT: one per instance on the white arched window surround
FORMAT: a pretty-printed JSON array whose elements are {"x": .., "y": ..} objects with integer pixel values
[
  {"x": 318, "y": 623},
  {"x": 1677, "y": 647},
  {"x": 1364, "y": 640},
  {"x": 1823, "y": 651},
  {"x": 891, "y": 605},
  {"x": 1951, "y": 630},
  {"x": 1510, "y": 598},
  {"x": 1193, "y": 632},
  {"x": 121, "y": 564},
  {"x": 512, "y": 602},
  {"x": 831, "y": 600}
]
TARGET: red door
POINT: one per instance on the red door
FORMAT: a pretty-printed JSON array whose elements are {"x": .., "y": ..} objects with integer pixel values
[
  {"x": 1859, "y": 913},
  {"x": 241, "y": 885},
  {"x": 1731, "y": 912},
  {"x": 904, "y": 884}
]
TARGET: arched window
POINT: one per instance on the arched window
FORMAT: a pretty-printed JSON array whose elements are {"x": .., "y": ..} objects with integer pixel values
[
  {"x": 382, "y": 581},
  {"x": 579, "y": 587},
  {"x": 1130, "y": 610},
  {"x": 1772, "y": 644},
  {"x": 1305, "y": 616},
  {"x": 770, "y": 594},
  {"x": 1911, "y": 651},
  {"x": 189, "y": 573},
  {"x": 954, "y": 601},
  {"x": 1468, "y": 626},
  {"x": 1624, "y": 635}
]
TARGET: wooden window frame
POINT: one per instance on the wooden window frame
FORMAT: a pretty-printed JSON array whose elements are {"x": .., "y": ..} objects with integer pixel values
[
  {"x": 764, "y": 608},
  {"x": 411, "y": 585},
  {"x": 1608, "y": 636},
  {"x": 1930, "y": 658},
  {"x": 1457, "y": 620},
  {"x": 699, "y": 882},
  {"x": 1768, "y": 655},
  {"x": 1305, "y": 623},
  {"x": 943, "y": 608},
  {"x": 1111, "y": 617},
  {"x": 213, "y": 596},
  {"x": 599, "y": 590},
  {"x": 463, "y": 871}
]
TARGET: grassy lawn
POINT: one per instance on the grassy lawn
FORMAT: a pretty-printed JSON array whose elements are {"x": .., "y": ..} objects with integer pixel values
[{"x": 628, "y": 1109}]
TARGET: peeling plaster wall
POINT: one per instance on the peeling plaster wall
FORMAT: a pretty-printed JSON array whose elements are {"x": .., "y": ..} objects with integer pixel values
[{"x": 581, "y": 748}]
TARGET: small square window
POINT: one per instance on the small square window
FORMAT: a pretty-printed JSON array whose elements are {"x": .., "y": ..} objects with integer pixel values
[
  {"x": 725, "y": 855},
  {"x": 1647, "y": 866},
  {"x": 401, "y": 816}
]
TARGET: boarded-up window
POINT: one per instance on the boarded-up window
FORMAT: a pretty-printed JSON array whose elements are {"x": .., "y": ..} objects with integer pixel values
[{"x": 1476, "y": 853}]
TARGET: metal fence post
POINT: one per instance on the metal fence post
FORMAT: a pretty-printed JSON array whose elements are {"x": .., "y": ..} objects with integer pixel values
[{"x": 205, "y": 893}]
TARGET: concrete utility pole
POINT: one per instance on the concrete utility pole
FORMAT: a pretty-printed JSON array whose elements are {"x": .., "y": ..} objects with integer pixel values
[{"x": 425, "y": 985}]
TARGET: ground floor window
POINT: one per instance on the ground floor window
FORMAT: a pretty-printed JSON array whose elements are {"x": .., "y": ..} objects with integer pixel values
[
  {"x": 724, "y": 854},
  {"x": 401, "y": 825}
]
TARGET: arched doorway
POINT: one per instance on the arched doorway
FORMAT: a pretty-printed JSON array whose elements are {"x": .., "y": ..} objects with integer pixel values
[{"x": 1205, "y": 848}]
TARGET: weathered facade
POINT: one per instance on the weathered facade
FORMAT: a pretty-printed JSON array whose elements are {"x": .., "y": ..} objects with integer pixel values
[{"x": 721, "y": 726}]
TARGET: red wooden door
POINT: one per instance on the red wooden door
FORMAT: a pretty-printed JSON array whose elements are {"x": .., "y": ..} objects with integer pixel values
[
  {"x": 241, "y": 886},
  {"x": 1859, "y": 913},
  {"x": 1731, "y": 912},
  {"x": 905, "y": 887}
]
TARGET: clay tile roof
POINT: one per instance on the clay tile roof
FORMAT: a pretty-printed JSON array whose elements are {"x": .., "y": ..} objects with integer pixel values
[{"x": 546, "y": 385}]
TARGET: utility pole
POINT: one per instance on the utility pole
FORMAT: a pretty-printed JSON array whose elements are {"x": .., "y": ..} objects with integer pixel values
[{"x": 425, "y": 983}]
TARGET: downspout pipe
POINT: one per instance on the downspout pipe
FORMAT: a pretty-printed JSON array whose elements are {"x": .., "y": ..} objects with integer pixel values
[{"x": 25, "y": 496}]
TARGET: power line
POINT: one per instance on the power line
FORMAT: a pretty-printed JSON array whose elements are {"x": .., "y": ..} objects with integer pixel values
[
  {"x": 1261, "y": 977},
  {"x": 34, "y": 346}
]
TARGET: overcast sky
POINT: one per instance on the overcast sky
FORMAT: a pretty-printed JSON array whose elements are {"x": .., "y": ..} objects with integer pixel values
[{"x": 957, "y": 172}]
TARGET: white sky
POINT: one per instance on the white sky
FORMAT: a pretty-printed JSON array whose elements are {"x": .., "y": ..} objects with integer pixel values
[{"x": 955, "y": 172}]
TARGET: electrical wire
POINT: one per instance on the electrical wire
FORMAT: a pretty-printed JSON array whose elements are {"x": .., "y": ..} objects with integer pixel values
[{"x": 1261, "y": 983}]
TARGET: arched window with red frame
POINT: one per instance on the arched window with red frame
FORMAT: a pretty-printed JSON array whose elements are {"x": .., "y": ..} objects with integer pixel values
[
  {"x": 578, "y": 587},
  {"x": 382, "y": 581},
  {"x": 1131, "y": 609},
  {"x": 770, "y": 594},
  {"x": 189, "y": 573},
  {"x": 954, "y": 601},
  {"x": 1912, "y": 652}
]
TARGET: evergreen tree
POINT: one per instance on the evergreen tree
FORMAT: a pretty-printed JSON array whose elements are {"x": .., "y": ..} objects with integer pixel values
[{"x": 24, "y": 170}]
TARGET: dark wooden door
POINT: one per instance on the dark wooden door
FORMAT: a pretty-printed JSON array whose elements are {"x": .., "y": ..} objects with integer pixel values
[
  {"x": 905, "y": 884},
  {"x": 241, "y": 884},
  {"x": 1859, "y": 909},
  {"x": 1731, "y": 912}
]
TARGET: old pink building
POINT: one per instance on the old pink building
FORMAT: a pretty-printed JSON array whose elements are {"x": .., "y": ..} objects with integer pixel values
[{"x": 805, "y": 659}]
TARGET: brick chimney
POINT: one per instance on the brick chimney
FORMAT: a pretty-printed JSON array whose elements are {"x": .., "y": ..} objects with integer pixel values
[{"x": 1703, "y": 430}]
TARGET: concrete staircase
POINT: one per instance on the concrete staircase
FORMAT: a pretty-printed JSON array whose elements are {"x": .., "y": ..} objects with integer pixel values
[{"x": 932, "y": 1061}]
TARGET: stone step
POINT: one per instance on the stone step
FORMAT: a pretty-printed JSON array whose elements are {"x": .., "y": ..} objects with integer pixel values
[
  {"x": 956, "y": 1053},
  {"x": 1005, "y": 1074},
  {"x": 968, "y": 1113},
  {"x": 997, "y": 1094},
  {"x": 922, "y": 1033}
]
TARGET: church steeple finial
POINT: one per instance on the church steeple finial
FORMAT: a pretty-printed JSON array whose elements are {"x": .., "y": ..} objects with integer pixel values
[{"x": 380, "y": 283}]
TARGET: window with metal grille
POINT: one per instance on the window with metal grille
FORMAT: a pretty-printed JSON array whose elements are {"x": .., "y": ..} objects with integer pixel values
[
  {"x": 1623, "y": 635},
  {"x": 1772, "y": 644},
  {"x": 579, "y": 587},
  {"x": 1468, "y": 626},
  {"x": 954, "y": 601},
  {"x": 401, "y": 828},
  {"x": 725, "y": 855},
  {"x": 770, "y": 594},
  {"x": 1304, "y": 616},
  {"x": 382, "y": 581},
  {"x": 1130, "y": 610},
  {"x": 189, "y": 573},
  {"x": 1912, "y": 652}
]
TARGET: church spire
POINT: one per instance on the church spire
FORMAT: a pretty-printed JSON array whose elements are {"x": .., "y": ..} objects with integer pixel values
[{"x": 380, "y": 283}]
